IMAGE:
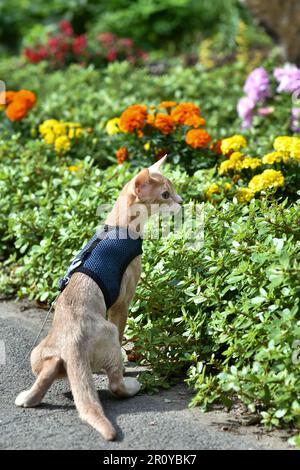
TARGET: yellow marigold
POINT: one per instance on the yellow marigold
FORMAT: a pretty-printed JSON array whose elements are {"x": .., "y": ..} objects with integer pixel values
[
  {"x": 74, "y": 133},
  {"x": 275, "y": 157},
  {"x": 59, "y": 129},
  {"x": 234, "y": 163},
  {"x": 283, "y": 143},
  {"x": 232, "y": 144},
  {"x": 164, "y": 123},
  {"x": 266, "y": 180},
  {"x": 244, "y": 195},
  {"x": 122, "y": 155},
  {"x": 113, "y": 126},
  {"x": 147, "y": 146},
  {"x": 62, "y": 144},
  {"x": 197, "y": 138},
  {"x": 133, "y": 118},
  {"x": 74, "y": 168},
  {"x": 46, "y": 125},
  {"x": 167, "y": 104},
  {"x": 195, "y": 121},
  {"x": 213, "y": 189},
  {"x": 251, "y": 163},
  {"x": 49, "y": 138},
  {"x": 184, "y": 111},
  {"x": 295, "y": 148},
  {"x": 227, "y": 187}
]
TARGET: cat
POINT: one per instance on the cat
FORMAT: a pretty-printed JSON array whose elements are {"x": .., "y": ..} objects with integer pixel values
[{"x": 81, "y": 341}]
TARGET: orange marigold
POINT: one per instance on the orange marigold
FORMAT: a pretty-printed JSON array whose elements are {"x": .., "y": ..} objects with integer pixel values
[
  {"x": 16, "y": 110},
  {"x": 167, "y": 104},
  {"x": 9, "y": 96},
  {"x": 164, "y": 123},
  {"x": 122, "y": 155},
  {"x": 183, "y": 111},
  {"x": 195, "y": 121},
  {"x": 150, "y": 119},
  {"x": 133, "y": 118},
  {"x": 197, "y": 138},
  {"x": 28, "y": 96},
  {"x": 216, "y": 147}
]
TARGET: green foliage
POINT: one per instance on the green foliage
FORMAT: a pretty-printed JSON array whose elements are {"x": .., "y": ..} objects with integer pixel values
[
  {"x": 226, "y": 313},
  {"x": 155, "y": 23}
]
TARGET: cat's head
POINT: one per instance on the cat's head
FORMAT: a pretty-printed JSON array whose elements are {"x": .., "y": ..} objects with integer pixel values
[{"x": 151, "y": 188}]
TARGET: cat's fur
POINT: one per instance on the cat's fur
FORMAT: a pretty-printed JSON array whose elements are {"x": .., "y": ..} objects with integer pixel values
[{"x": 81, "y": 340}]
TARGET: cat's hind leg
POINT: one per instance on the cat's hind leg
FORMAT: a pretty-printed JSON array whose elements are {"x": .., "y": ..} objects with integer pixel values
[{"x": 50, "y": 370}]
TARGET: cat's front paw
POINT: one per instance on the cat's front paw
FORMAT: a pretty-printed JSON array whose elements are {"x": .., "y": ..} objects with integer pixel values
[{"x": 132, "y": 386}]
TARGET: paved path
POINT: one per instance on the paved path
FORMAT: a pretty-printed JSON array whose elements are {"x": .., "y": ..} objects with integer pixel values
[{"x": 161, "y": 421}]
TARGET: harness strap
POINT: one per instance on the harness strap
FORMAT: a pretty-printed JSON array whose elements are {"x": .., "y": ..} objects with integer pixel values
[{"x": 79, "y": 260}]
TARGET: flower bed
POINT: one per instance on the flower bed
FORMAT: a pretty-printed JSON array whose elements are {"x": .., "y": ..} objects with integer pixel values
[{"x": 64, "y": 48}]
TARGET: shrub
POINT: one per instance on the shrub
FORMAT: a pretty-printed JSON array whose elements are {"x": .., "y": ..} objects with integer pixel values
[{"x": 226, "y": 314}]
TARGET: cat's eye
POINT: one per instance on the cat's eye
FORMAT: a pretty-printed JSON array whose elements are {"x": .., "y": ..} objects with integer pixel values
[{"x": 165, "y": 195}]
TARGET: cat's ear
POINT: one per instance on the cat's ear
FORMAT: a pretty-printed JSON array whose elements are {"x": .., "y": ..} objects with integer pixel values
[
  {"x": 155, "y": 168},
  {"x": 140, "y": 180}
]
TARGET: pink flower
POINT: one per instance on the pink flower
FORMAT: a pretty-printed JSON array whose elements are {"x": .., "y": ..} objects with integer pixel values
[
  {"x": 265, "y": 111},
  {"x": 295, "y": 119},
  {"x": 257, "y": 86},
  {"x": 288, "y": 78},
  {"x": 245, "y": 109}
]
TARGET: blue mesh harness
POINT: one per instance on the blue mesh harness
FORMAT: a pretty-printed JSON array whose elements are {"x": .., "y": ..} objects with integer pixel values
[{"x": 105, "y": 258}]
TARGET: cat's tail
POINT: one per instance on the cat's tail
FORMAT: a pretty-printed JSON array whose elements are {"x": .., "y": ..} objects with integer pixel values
[{"x": 85, "y": 395}]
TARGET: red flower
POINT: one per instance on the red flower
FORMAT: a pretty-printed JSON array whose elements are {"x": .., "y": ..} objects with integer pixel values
[
  {"x": 53, "y": 43},
  {"x": 66, "y": 28},
  {"x": 35, "y": 56},
  {"x": 142, "y": 54},
  {"x": 106, "y": 38},
  {"x": 112, "y": 55},
  {"x": 126, "y": 42},
  {"x": 79, "y": 44},
  {"x": 131, "y": 59},
  {"x": 59, "y": 56}
]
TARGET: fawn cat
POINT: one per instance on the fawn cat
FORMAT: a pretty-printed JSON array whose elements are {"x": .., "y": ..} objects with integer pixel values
[{"x": 81, "y": 340}]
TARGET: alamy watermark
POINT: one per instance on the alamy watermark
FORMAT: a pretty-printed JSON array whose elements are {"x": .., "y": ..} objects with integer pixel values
[{"x": 157, "y": 221}]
